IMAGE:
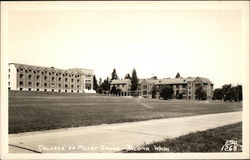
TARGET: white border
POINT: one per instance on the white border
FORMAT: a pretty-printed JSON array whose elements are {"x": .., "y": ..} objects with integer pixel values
[{"x": 243, "y": 6}]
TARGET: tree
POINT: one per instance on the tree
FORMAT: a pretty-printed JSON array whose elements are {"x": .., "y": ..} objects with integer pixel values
[
  {"x": 95, "y": 85},
  {"x": 226, "y": 91},
  {"x": 134, "y": 81},
  {"x": 154, "y": 91},
  {"x": 167, "y": 92},
  {"x": 217, "y": 94},
  {"x": 178, "y": 75},
  {"x": 106, "y": 84},
  {"x": 114, "y": 75},
  {"x": 200, "y": 94},
  {"x": 127, "y": 76}
]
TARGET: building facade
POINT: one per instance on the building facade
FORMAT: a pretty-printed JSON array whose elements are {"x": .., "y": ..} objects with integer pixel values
[
  {"x": 184, "y": 88},
  {"x": 36, "y": 78}
]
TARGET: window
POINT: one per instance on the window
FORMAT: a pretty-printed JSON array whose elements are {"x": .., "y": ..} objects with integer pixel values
[
  {"x": 78, "y": 86},
  {"x": 9, "y": 70},
  {"x": 66, "y": 79},
  {"x": 45, "y": 84},
  {"x": 72, "y": 86},
  {"x": 53, "y": 78},
  {"x": 37, "y": 77},
  {"x": 29, "y": 70},
  {"x": 21, "y": 75},
  {"x": 59, "y": 79},
  {"x": 144, "y": 92},
  {"x": 45, "y": 72},
  {"x": 49, "y": 73},
  {"x": 60, "y": 85},
  {"x": 189, "y": 92},
  {"x": 21, "y": 69},
  {"x": 72, "y": 80},
  {"x": 30, "y": 76},
  {"x": 122, "y": 85},
  {"x": 145, "y": 86},
  {"x": 66, "y": 86},
  {"x": 34, "y": 72},
  {"x": 9, "y": 76},
  {"x": 37, "y": 84},
  {"x": 21, "y": 83},
  {"x": 78, "y": 80},
  {"x": 8, "y": 83},
  {"x": 45, "y": 78},
  {"x": 29, "y": 83}
]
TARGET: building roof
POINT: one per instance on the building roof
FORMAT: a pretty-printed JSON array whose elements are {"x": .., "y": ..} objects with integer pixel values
[
  {"x": 181, "y": 80},
  {"x": 51, "y": 69},
  {"x": 164, "y": 81},
  {"x": 120, "y": 81}
]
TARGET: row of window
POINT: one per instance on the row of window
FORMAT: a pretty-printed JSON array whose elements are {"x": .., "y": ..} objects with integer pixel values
[
  {"x": 46, "y": 78},
  {"x": 52, "y": 90},
  {"x": 46, "y": 84},
  {"x": 51, "y": 73}
]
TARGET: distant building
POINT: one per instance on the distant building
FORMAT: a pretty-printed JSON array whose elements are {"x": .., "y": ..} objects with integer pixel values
[
  {"x": 184, "y": 88},
  {"x": 36, "y": 78}
]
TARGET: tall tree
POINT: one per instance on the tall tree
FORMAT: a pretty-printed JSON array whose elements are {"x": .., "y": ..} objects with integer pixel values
[
  {"x": 114, "y": 75},
  {"x": 127, "y": 76},
  {"x": 178, "y": 75},
  {"x": 95, "y": 85},
  {"x": 134, "y": 81},
  {"x": 106, "y": 84}
]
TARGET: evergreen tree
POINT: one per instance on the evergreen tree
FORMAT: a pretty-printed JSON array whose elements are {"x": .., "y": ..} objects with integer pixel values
[
  {"x": 95, "y": 85},
  {"x": 106, "y": 84},
  {"x": 127, "y": 76},
  {"x": 114, "y": 75},
  {"x": 178, "y": 75},
  {"x": 134, "y": 81}
]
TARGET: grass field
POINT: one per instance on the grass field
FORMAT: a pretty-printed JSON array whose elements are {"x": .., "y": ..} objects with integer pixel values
[
  {"x": 33, "y": 111},
  {"x": 211, "y": 140}
]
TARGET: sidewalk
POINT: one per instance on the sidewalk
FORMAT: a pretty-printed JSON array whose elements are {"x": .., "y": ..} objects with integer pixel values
[{"x": 115, "y": 137}]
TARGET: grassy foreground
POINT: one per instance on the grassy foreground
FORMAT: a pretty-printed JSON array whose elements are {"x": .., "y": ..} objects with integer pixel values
[
  {"x": 211, "y": 140},
  {"x": 34, "y": 111}
]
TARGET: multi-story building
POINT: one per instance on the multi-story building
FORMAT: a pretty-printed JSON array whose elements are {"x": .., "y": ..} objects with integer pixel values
[
  {"x": 37, "y": 78},
  {"x": 184, "y": 88}
]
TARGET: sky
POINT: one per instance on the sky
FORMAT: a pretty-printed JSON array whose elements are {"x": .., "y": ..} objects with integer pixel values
[{"x": 205, "y": 43}]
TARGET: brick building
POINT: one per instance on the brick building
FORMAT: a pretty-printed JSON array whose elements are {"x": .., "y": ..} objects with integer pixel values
[
  {"x": 37, "y": 78},
  {"x": 184, "y": 88}
]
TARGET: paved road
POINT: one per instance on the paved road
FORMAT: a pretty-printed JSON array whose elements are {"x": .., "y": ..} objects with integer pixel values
[{"x": 115, "y": 137}]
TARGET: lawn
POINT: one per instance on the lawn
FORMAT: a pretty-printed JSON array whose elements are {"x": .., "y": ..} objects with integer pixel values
[
  {"x": 211, "y": 140},
  {"x": 34, "y": 111}
]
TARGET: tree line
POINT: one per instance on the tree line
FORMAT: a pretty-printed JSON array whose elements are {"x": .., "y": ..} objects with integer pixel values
[{"x": 228, "y": 93}]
